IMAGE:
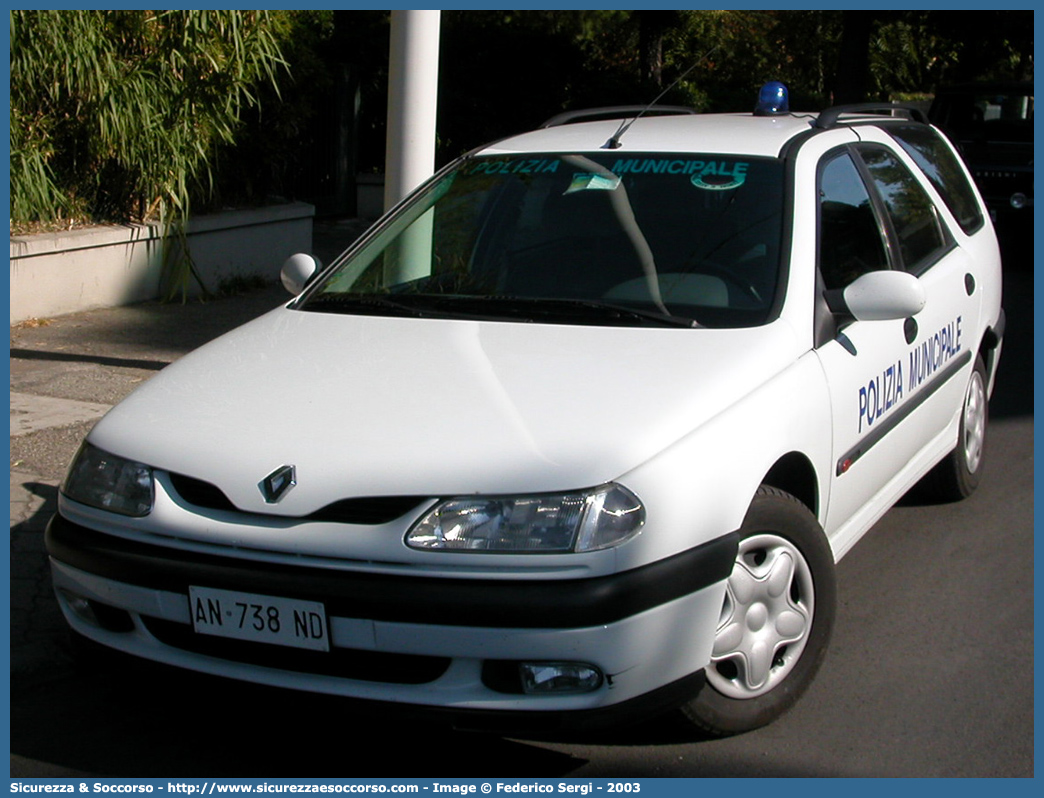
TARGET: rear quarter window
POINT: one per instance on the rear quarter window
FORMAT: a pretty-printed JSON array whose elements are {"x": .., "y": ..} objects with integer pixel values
[{"x": 940, "y": 165}]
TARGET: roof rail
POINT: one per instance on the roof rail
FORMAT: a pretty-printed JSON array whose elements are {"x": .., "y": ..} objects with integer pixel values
[
  {"x": 615, "y": 112},
  {"x": 830, "y": 117}
]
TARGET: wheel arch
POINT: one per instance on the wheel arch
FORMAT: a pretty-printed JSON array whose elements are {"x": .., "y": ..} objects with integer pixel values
[
  {"x": 990, "y": 346},
  {"x": 795, "y": 474}
]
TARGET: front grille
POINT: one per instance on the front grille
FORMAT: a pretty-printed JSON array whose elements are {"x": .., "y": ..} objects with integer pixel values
[
  {"x": 201, "y": 494},
  {"x": 367, "y": 510},
  {"x": 346, "y": 663}
]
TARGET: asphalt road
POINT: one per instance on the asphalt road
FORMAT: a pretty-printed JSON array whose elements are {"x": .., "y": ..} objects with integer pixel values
[{"x": 930, "y": 672}]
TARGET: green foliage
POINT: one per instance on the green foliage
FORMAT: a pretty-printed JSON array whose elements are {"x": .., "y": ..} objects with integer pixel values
[
  {"x": 746, "y": 48},
  {"x": 909, "y": 53},
  {"x": 34, "y": 194},
  {"x": 503, "y": 71},
  {"x": 116, "y": 115},
  {"x": 140, "y": 115},
  {"x": 276, "y": 139}
]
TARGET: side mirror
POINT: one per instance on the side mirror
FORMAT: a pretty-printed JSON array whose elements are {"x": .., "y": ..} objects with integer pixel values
[
  {"x": 297, "y": 271},
  {"x": 880, "y": 296}
]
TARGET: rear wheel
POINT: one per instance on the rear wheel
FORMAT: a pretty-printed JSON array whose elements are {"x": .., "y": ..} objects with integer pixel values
[
  {"x": 775, "y": 621},
  {"x": 957, "y": 476}
]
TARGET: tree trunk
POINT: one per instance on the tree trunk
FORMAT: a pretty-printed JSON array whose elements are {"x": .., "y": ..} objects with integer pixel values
[
  {"x": 652, "y": 25},
  {"x": 853, "y": 62}
]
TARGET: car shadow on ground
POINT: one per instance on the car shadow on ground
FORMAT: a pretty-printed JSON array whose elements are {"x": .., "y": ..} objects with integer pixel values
[
  {"x": 116, "y": 716},
  {"x": 123, "y": 718}
]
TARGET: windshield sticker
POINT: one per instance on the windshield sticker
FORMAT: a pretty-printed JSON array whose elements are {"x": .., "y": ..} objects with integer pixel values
[
  {"x": 721, "y": 176},
  {"x": 657, "y": 166},
  {"x": 523, "y": 166},
  {"x": 714, "y": 175},
  {"x": 583, "y": 181}
]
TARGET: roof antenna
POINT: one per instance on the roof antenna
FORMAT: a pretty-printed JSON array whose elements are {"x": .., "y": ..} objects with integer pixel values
[{"x": 614, "y": 140}]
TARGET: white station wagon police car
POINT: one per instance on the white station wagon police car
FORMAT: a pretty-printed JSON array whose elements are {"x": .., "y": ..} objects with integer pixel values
[{"x": 581, "y": 427}]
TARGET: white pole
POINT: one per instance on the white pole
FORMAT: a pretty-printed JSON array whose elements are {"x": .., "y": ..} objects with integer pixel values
[{"x": 412, "y": 101}]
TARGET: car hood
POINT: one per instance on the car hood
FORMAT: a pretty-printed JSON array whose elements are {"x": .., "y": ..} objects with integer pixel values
[{"x": 373, "y": 406}]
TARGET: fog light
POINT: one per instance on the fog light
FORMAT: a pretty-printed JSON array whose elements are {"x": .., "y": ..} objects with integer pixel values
[
  {"x": 111, "y": 619},
  {"x": 559, "y": 677},
  {"x": 1018, "y": 200},
  {"x": 80, "y": 607}
]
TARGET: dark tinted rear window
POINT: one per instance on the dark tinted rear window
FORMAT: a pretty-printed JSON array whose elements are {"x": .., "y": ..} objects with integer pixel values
[{"x": 935, "y": 158}]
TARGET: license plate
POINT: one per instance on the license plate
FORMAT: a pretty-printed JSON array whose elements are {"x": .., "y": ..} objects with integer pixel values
[{"x": 261, "y": 619}]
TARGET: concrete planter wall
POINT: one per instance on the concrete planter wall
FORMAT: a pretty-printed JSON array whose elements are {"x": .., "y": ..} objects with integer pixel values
[
  {"x": 57, "y": 273},
  {"x": 369, "y": 192}
]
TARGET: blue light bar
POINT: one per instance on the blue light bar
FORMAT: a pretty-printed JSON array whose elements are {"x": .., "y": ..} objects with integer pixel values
[{"x": 773, "y": 100}]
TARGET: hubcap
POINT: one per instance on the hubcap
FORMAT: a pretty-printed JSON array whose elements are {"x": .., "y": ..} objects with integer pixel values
[
  {"x": 765, "y": 620},
  {"x": 974, "y": 422}
]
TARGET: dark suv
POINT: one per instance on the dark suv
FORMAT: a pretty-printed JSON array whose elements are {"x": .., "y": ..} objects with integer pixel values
[{"x": 992, "y": 125}]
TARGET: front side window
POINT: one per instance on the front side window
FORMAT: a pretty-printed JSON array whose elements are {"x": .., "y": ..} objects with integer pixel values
[
  {"x": 660, "y": 238},
  {"x": 850, "y": 239}
]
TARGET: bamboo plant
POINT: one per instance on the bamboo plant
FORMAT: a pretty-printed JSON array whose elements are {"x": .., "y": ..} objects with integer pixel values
[{"x": 117, "y": 115}]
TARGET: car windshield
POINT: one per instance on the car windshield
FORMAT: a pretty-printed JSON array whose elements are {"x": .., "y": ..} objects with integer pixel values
[{"x": 648, "y": 239}]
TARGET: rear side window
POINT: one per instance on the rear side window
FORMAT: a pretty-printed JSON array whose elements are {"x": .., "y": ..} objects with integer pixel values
[
  {"x": 910, "y": 211},
  {"x": 935, "y": 158}
]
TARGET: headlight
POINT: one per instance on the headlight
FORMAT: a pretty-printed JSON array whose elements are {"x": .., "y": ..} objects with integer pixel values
[
  {"x": 109, "y": 482},
  {"x": 555, "y": 523}
]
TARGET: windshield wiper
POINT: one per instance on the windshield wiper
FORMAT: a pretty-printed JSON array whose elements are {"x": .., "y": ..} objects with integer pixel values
[
  {"x": 573, "y": 311},
  {"x": 359, "y": 303},
  {"x": 493, "y": 308},
  {"x": 429, "y": 306},
  {"x": 623, "y": 311}
]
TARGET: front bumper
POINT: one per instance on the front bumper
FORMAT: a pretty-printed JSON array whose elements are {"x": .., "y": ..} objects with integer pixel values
[{"x": 436, "y": 642}]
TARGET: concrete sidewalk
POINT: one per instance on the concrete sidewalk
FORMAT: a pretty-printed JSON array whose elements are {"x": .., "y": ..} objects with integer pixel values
[{"x": 65, "y": 374}]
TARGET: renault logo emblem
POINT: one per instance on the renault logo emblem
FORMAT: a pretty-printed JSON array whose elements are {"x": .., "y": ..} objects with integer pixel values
[{"x": 275, "y": 486}]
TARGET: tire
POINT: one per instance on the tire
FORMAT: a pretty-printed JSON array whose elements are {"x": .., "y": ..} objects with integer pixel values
[
  {"x": 957, "y": 476},
  {"x": 776, "y": 619}
]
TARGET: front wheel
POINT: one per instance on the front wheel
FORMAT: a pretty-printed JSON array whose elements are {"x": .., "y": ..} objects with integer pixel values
[{"x": 775, "y": 621}]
